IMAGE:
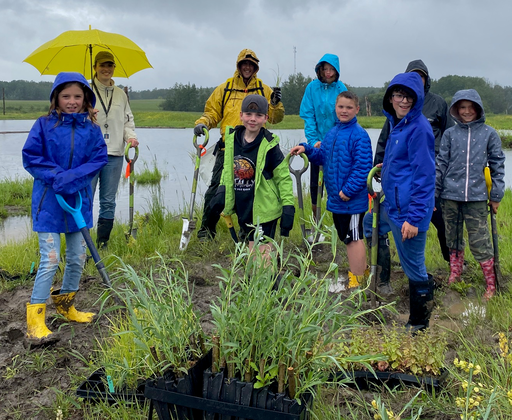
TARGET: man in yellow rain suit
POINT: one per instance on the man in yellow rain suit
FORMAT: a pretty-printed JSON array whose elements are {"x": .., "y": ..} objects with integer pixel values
[{"x": 223, "y": 106}]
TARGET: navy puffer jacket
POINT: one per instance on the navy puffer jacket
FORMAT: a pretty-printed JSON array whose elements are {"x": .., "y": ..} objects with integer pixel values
[{"x": 346, "y": 155}]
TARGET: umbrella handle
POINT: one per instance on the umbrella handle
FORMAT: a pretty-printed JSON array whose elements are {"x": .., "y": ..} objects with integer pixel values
[
  {"x": 74, "y": 211},
  {"x": 127, "y": 153}
]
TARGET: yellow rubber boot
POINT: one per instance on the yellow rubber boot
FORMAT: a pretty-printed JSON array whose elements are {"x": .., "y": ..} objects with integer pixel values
[
  {"x": 36, "y": 322},
  {"x": 357, "y": 281},
  {"x": 65, "y": 306}
]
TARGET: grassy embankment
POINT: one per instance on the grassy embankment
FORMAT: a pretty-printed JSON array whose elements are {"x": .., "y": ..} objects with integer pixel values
[{"x": 148, "y": 114}]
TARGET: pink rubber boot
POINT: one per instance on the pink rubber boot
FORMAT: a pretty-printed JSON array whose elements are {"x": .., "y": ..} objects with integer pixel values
[
  {"x": 456, "y": 265},
  {"x": 490, "y": 278}
]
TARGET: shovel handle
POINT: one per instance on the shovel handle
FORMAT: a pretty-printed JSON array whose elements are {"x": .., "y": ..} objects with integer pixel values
[
  {"x": 298, "y": 172},
  {"x": 127, "y": 153},
  {"x": 369, "y": 180},
  {"x": 76, "y": 211},
  {"x": 206, "y": 138}
]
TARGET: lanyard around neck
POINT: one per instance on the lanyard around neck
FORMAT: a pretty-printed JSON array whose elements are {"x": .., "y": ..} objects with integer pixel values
[{"x": 101, "y": 99}]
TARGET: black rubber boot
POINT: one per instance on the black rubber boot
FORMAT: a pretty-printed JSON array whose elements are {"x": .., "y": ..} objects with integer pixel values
[
  {"x": 103, "y": 232},
  {"x": 421, "y": 297}
]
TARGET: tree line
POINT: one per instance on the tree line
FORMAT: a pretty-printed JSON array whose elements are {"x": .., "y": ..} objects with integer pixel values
[{"x": 189, "y": 97}]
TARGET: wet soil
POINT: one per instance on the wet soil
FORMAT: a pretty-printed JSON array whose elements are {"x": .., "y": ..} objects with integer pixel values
[{"x": 32, "y": 379}]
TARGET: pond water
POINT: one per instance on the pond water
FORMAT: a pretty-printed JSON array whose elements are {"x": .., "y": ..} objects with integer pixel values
[{"x": 170, "y": 150}]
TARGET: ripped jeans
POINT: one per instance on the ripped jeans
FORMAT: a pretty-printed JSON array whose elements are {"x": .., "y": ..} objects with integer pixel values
[{"x": 49, "y": 248}]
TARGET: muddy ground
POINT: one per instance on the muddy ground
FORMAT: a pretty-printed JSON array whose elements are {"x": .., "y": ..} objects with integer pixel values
[{"x": 29, "y": 377}]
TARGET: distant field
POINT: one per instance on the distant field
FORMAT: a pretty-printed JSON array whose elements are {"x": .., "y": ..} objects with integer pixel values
[{"x": 147, "y": 113}]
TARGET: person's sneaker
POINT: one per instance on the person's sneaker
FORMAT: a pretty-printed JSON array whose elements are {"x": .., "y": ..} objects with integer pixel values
[{"x": 339, "y": 286}]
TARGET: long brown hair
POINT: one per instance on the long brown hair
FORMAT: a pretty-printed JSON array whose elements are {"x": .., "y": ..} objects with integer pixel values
[{"x": 54, "y": 102}]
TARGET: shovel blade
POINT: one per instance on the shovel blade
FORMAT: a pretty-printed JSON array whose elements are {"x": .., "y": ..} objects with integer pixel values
[{"x": 186, "y": 233}]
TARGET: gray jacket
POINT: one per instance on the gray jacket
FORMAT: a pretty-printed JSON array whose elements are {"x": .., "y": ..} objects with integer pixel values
[{"x": 466, "y": 149}]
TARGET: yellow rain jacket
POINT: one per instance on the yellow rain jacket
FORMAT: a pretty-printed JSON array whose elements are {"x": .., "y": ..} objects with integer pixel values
[{"x": 225, "y": 102}]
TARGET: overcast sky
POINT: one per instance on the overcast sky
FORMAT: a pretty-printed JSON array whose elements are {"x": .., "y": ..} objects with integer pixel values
[{"x": 197, "y": 41}]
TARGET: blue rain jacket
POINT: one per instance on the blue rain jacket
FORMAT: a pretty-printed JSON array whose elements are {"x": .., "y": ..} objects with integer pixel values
[
  {"x": 408, "y": 171},
  {"x": 317, "y": 108},
  {"x": 346, "y": 154},
  {"x": 63, "y": 155}
]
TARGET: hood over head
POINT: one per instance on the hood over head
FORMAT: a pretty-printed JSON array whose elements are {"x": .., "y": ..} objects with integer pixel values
[
  {"x": 419, "y": 65},
  {"x": 69, "y": 77},
  {"x": 248, "y": 55},
  {"x": 411, "y": 83},
  {"x": 331, "y": 59},
  {"x": 467, "y": 95}
]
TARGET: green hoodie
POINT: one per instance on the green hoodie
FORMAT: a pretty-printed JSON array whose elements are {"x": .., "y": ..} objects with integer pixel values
[{"x": 270, "y": 195}]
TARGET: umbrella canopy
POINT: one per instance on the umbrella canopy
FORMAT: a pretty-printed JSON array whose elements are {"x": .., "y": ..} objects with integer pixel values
[{"x": 73, "y": 51}]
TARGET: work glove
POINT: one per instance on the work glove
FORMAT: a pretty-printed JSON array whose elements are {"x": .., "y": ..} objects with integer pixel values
[
  {"x": 276, "y": 96},
  {"x": 218, "y": 202},
  {"x": 198, "y": 129},
  {"x": 287, "y": 220}
]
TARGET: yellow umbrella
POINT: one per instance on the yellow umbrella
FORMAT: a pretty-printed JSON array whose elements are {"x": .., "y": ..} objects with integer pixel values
[{"x": 73, "y": 51}]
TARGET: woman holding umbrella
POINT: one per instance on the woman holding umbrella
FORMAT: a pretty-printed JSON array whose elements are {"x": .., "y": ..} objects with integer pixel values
[{"x": 117, "y": 126}]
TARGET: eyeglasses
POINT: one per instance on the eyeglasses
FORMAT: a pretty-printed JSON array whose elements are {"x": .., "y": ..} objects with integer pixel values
[
  {"x": 107, "y": 64},
  {"x": 398, "y": 97}
]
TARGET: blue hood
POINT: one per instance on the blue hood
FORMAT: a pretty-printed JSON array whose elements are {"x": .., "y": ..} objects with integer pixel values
[
  {"x": 467, "y": 95},
  {"x": 68, "y": 77},
  {"x": 331, "y": 59},
  {"x": 409, "y": 82}
]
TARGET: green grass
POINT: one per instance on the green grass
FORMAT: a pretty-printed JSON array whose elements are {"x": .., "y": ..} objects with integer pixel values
[
  {"x": 477, "y": 340},
  {"x": 147, "y": 113},
  {"x": 15, "y": 197}
]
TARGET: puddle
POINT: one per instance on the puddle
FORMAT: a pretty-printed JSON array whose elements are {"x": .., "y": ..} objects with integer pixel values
[{"x": 15, "y": 229}]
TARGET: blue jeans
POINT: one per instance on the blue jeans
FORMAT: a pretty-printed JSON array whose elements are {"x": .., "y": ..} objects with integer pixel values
[
  {"x": 49, "y": 248},
  {"x": 109, "y": 178},
  {"x": 411, "y": 252},
  {"x": 368, "y": 221}
]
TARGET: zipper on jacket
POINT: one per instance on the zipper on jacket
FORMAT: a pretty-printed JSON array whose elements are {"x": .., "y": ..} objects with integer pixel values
[
  {"x": 72, "y": 145},
  {"x": 41, "y": 202},
  {"x": 397, "y": 200},
  {"x": 467, "y": 165}
]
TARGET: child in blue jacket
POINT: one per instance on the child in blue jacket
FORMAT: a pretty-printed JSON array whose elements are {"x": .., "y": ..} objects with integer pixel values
[
  {"x": 63, "y": 152},
  {"x": 408, "y": 181},
  {"x": 317, "y": 111},
  {"x": 346, "y": 155}
]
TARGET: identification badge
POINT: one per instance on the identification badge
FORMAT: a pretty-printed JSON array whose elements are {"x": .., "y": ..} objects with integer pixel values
[{"x": 106, "y": 136}]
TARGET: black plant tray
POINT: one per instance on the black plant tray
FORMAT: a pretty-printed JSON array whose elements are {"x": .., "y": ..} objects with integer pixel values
[
  {"x": 363, "y": 379},
  {"x": 94, "y": 389},
  {"x": 203, "y": 408}
]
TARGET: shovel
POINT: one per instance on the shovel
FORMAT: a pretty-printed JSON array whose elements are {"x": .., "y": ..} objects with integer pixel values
[
  {"x": 297, "y": 173},
  {"x": 76, "y": 212},
  {"x": 494, "y": 231},
  {"x": 190, "y": 224},
  {"x": 129, "y": 170},
  {"x": 319, "y": 201},
  {"x": 376, "y": 198}
]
